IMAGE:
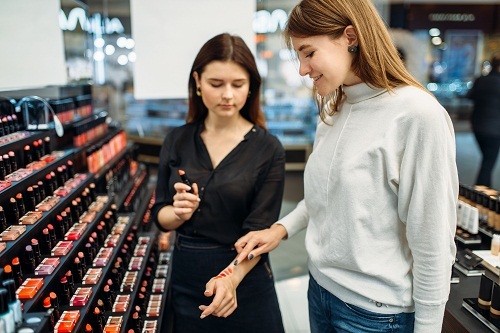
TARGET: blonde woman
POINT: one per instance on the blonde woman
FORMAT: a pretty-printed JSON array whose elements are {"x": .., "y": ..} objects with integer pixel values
[{"x": 380, "y": 186}]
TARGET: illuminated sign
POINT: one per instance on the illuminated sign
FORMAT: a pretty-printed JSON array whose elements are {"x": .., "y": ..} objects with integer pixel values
[
  {"x": 93, "y": 25},
  {"x": 265, "y": 22},
  {"x": 452, "y": 17}
]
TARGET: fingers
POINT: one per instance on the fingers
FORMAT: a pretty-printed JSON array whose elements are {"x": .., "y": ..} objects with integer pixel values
[
  {"x": 220, "y": 307},
  {"x": 247, "y": 248}
]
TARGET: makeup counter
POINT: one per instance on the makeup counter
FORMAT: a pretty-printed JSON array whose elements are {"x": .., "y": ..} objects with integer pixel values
[
  {"x": 78, "y": 250},
  {"x": 474, "y": 302}
]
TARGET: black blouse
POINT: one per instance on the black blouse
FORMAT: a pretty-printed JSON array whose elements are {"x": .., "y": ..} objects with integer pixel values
[{"x": 243, "y": 193}]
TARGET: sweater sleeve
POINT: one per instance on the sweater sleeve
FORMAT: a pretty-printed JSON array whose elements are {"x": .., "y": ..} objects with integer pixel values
[
  {"x": 427, "y": 197},
  {"x": 296, "y": 220}
]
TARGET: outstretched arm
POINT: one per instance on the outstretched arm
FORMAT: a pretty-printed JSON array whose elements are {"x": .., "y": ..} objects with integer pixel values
[{"x": 223, "y": 286}]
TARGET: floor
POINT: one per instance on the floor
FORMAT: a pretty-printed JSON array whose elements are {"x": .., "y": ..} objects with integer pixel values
[{"x": 289, "y": 260}]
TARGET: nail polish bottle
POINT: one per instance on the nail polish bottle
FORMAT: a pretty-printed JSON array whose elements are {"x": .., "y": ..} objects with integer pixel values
[
  {"x": 13, "y": 161},
  {"x": 28, "y": 158},
  {"x": 17, "y": 272},
  {"x": 36, "y": 251},
  {"x": 30, "y": 199},
  {"x": 36, "y": 193},
  {"x": 29, "y": 260},
  {"x": 14, "y": 302},
  {"x": 6, "y": 314},
  {"x": 3, "y": 220},
  {"x": 20, "y": 204}
]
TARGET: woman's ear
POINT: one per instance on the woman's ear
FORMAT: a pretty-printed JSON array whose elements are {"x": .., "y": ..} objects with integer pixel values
[
  {"x": 351, "y": 35},
  {"x": 196, "y": 78}
]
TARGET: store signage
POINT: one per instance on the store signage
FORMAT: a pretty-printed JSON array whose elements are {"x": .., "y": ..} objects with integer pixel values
[
  {"x": 451, "y": 17},
  {"x": 266, "y": 22},
  {"x": 444, "y": 17},
  {"x": 78, "y": 16}
]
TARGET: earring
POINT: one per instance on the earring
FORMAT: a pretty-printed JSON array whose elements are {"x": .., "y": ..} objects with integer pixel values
[
  {"x": 198, "y": 91},
  {"x": 352, "y": 49}
]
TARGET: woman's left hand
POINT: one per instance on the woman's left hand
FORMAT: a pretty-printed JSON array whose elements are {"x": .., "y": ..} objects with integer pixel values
[{"x": 224, "y": 288}]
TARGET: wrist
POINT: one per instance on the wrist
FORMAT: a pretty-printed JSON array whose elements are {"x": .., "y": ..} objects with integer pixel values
[{"x": 280, "y": 230}]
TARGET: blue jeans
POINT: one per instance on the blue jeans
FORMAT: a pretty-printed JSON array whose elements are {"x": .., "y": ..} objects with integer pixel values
[{"x": 328, "y": 314}]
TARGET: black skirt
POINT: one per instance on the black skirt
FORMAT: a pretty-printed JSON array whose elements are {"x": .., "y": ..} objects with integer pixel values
[{"x": 194, "y": 262}]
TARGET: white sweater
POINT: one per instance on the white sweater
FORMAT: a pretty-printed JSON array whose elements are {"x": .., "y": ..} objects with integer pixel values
[{"x": 380, "y": 192}]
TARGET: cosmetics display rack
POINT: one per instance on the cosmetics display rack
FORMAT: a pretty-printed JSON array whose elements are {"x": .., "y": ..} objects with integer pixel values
[
  {"x": 115, "y": 242},
  {"x": 462, "y": 311}
]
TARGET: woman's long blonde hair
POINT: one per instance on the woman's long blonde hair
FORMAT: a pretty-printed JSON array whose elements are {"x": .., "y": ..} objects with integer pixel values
[{"x": 377, "y": 61}]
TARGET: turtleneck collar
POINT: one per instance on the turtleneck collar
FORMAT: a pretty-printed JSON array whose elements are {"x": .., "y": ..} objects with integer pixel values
[{"x": 361, "y": 92}]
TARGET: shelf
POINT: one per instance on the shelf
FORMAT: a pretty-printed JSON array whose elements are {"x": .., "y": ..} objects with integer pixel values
[
  {"x": 18, "y": 145},
  {"x": 34, "y": 229},
  {"x": 111, "y": 163},
  {"x": 35, "y": 176},
  {"x": 64, "y": 265}
]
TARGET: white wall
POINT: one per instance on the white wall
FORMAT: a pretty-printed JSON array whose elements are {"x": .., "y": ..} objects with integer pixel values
[
  {"x": 32, "y": 53},
  {"x": 169, "y": 33}
]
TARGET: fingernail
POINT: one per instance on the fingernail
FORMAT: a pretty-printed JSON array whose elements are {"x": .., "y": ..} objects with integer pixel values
[
  {"x": 206, "y": 292},
  {"x": 202, "y": 316},
  {"x": 250, "y": 257},
  {"x": 235, "y": 262}
]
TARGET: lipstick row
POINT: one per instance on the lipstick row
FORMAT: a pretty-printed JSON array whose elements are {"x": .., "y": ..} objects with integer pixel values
[
  {"x": 10, "y": 124},
  {"x": 32, "y": 157},
  {"x": 99, "y": 155}
]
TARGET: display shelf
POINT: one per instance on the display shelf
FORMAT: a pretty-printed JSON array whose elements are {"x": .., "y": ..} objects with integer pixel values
[
  {"x": 35, "y": 176},
  {"x": 484, "y": 316},
  {"x": 120, "y": 199},
  {"x": 50, "y": 281},
  {"x": 166, "y": 322},
  {"x": 12, "y": 247},
  {"x": 96, "y": 289},
  {"x": 28, "y": 138},
  {"x": 101, "y": 172}
]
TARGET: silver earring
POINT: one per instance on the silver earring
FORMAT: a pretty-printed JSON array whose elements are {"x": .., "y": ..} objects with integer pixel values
[{"x": 352, "y": 49}]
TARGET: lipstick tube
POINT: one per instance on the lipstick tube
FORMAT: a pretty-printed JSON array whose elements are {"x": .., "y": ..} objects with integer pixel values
[
  {"x": 3, "y": 171},
  {"x": 41, "y": 189},
  {"x": 17, "y": 272},
  {"x": 3, "y": 220},
  {"x": 6, "y": 163},
  {"x": 20, "y": 204},
  {"x": 52, "y": 235},
  {"x": 495, "y": 302},
  {"x": 28, "y": 158},
  {"x": 46, "y": 244},
  {"x": 36, "y": 251},
  {"x": 13, "y": 161},
  {"x": 13, "y": 214}
]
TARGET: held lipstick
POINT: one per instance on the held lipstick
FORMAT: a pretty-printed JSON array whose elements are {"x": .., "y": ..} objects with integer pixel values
[{"x": 186, "y": 180}]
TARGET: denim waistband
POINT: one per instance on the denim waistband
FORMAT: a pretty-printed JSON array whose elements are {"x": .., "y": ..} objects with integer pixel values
[{"x": 199, "y": 242}]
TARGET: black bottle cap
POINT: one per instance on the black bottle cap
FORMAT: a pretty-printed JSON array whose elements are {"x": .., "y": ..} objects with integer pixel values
[
  {"x": 495, "y": 302},
  {"x": 4, "y": 301},
  {"x": 11, "y": 288},
  {"x": 485, "y": 289}
]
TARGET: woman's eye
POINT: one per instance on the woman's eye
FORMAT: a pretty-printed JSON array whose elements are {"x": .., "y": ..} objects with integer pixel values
[
  {"x": 310, "y": 54},
  {"x": 216, "y": 85}
]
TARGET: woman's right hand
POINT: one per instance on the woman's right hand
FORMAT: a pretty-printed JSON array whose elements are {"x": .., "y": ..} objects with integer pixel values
[
  {"x": 256, "y": 243},
  {"x": 185, "y": 203}
]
